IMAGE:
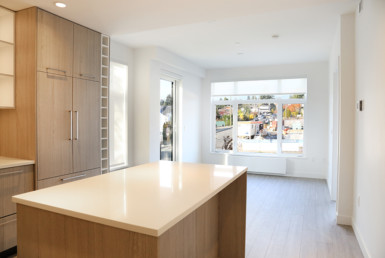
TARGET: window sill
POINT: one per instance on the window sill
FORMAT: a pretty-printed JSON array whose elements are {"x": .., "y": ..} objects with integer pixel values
[
  {"x": 112, "y": 169},
  {"x": 259, "y": 155}
]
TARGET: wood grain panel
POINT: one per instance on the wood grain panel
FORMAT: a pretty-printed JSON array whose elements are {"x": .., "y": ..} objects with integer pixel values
[
  {"x": 87, "y": 45},
  {"x": 54, "y": 44},
  {"x": 14, "y": 181},
  {"x": 27, "y": 232},
  {"x": 207, "y": 239},
  {"x": 55, "y": 235},
  {"x": 194, "y": 236},
  {"x": 18, "y": 126},
  {"x": 51, "y": 234},
  {"x": 67, "y": 178},
  {"x": 86, "y": 125},
  {"x": 7, "y": 232},
  {"x": 54, "y": 96},
  {"x": 232, "y": 219}
]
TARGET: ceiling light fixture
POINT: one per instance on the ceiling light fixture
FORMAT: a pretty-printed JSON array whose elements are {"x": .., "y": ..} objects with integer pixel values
[
  {"x": 275, "y": 36},
  {"x": 60, "y": 4}
]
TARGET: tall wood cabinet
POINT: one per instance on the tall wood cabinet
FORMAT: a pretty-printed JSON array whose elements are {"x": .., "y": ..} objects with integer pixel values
[
  {"x": 68, "y": 99},
  {"x": 57, "y": 82}
]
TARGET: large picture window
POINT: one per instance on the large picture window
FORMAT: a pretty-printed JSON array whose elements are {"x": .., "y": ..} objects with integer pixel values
[{"x": 259, "y": 117}]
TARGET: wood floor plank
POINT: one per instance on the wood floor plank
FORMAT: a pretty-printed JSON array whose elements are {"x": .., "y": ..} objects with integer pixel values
[{"x": 294, "y": 218}]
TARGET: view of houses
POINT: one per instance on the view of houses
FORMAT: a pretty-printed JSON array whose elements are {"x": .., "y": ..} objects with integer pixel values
[{"x": 257, "y": 128}]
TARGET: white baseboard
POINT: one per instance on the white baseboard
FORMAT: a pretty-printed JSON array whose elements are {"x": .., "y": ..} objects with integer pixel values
[
  {"x": 301, "y": 175},
  {"x": 344, "y": 220},
  {"x": 307, "y": 175},
  {"x": 361, "y": 241}
]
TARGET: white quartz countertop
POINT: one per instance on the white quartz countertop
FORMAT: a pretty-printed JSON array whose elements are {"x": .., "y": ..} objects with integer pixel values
[
  {"x": 147, "y": 199},
  {"x": 6, "y": 162}
]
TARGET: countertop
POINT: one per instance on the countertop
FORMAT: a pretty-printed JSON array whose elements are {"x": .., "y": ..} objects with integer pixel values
[
  {"x": 147, "y": 199},
  {"x": 6, "y": 162}
]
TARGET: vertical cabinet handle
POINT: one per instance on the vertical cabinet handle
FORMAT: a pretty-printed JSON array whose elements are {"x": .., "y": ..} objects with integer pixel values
[
  {"x": 77, "y": 125},
  {"x": 70, "y": 125}
]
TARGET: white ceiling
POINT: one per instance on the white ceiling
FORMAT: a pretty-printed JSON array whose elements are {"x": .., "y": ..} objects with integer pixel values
[{"x": 213, "y": 33}]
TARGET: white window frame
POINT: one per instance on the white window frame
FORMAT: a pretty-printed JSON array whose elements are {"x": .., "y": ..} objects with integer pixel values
[{"x": 234, "y": 104}]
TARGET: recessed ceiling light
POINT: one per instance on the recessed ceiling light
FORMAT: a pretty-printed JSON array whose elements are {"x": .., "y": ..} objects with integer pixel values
[
  {"x": 275, "y": 36},
  {"x": 239, "y": 53},
  {"x": 60, "y": 4}
]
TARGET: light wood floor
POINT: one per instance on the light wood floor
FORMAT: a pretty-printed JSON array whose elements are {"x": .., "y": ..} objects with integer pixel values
[{"x": 293, "y": 217}]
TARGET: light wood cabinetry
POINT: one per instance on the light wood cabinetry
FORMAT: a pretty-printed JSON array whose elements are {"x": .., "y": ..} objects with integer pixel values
[
  {"x": 55, "y": 37},
  {"x": 68, "y": 118},
  {"x": 18, "y": 126},
  {"x": 86, "y": 53},
  {"x": 68, "y": 125},
  {"x": 7, "y": 56},
  {"x": 14, "y": 180},
  {"x": 86, "y": 125},
  {"x": 54, "y": 119},
  {"x": 54, "y": 106},
  {"x": 67, "y": 178},
  {"x": 8, "y": 233}
]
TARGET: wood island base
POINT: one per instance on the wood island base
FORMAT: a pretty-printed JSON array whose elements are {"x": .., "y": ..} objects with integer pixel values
[{"x": 215, "y": 229}]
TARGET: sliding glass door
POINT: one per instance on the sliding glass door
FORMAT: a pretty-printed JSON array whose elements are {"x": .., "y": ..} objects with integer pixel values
[{"x": 167, "y": 120}]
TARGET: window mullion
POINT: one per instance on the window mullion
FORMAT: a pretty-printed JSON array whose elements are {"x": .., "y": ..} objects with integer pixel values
[
  {"x": 235, "y": 128},
  {"x": 213, "y": 127},
  {"x": 279, "y": 129}
]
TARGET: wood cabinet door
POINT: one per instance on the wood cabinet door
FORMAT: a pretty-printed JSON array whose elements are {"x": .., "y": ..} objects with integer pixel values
[
  {"x": 14, "y": 180},
  {"x": 86, "y": 124},
  {"x": 67, "y": 178},
  {"x": 54, "y": 44},
  {"x": 54, "y": 113},
  {"x": 86, "y": 53},
  {"x": 8, "y": 232}
]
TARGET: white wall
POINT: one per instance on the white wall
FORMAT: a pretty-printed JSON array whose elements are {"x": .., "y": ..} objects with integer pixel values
[
  {"x": 334, "y": 109},
  {"x": 149, "y": 65},
  {"x": 315, "y": 162},
  {"x": 124, "y": 55},
  {"x": 341, "y": 116},
  {"x": 347, "y": 113},
  {"x": 369, "y": 215}
]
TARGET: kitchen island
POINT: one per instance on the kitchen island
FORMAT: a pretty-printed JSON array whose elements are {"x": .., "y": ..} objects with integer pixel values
[{"x": 161, "y": 209}]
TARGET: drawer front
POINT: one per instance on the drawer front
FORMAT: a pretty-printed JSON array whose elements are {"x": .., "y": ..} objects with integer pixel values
[
  {"x": 15, "y": 180},
  {"x": 8, "y": 232},
  {"x": 67, "y": 178}
]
